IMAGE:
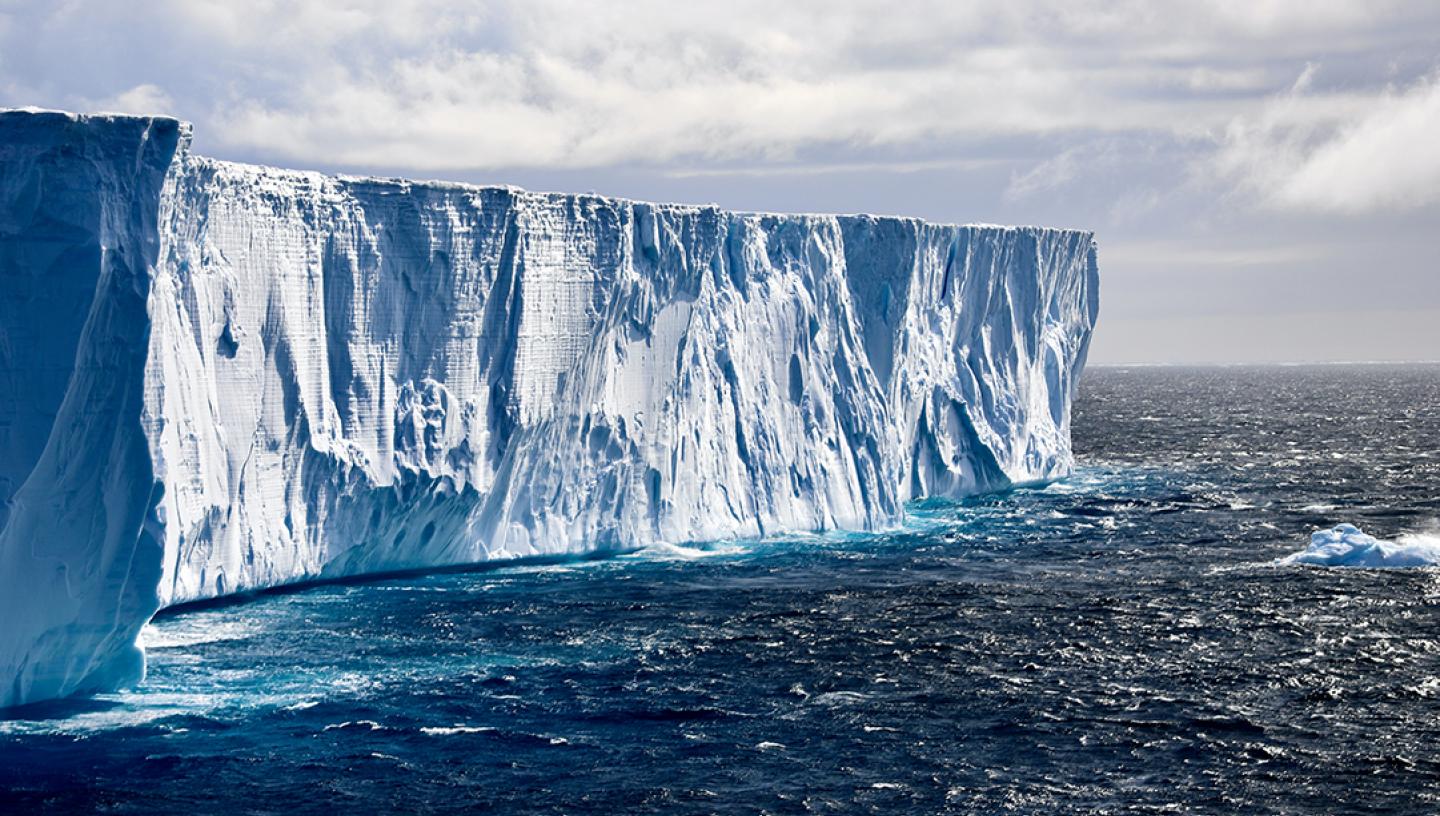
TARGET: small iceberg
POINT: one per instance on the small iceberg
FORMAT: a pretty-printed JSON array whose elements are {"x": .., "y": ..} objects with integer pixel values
[{"x": 1346, "y": 546}]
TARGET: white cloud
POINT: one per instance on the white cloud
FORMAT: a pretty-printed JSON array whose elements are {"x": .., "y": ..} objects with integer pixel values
[
  {"x": 1351, "y": 153},
  {"x": 442, "y": 84},
  {"x": 144, "y": 98},
  {"x": 1388, "y": 159},
  {"x": 587, "y": 85}
]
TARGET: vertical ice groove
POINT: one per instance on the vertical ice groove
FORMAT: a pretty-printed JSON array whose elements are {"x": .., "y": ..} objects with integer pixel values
[{"x": 247, "y": 377}]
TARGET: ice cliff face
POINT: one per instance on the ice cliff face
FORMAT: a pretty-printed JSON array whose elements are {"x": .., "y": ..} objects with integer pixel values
[{"x": 217, "y": 377}]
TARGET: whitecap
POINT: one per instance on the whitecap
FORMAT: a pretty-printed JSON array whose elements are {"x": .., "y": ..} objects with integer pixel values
[
  {"x": 1346, "y": 546},
  {"x": 367, "y": 725},
  {"x": 445, "y": 731},
  {"x": 681, "y": 552},
  {"x": 839, "y": 698}
]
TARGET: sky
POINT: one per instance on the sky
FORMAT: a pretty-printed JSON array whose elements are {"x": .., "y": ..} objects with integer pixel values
[{"x": 1262, "y": 176}]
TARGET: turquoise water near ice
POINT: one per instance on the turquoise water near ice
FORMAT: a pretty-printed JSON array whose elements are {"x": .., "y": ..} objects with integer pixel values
[{"x": 1119, "y": 642}]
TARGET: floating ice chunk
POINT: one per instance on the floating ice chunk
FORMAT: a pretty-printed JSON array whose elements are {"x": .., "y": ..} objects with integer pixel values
[{"x": 1346, "y": 546}]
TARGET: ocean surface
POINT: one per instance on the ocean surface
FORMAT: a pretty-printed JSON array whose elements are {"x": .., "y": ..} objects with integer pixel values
[{"x": 1119, "y": 642}]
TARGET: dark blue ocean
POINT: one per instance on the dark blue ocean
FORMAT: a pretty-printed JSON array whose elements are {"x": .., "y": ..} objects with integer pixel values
[{"x": 1119, "y": 642}]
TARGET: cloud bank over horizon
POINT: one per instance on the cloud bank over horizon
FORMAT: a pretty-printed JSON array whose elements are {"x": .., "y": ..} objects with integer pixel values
[{"x": 1232, "y": 131}]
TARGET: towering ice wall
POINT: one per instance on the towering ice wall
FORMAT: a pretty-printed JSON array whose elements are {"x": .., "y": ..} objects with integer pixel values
[{"x": 217, "y": 377}]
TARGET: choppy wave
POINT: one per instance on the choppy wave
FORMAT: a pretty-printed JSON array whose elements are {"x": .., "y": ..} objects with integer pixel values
[
  {"x": 689, "y": 552},
  {"x": 194, "y": 630},
  {"x": 1118, "y": 641}
]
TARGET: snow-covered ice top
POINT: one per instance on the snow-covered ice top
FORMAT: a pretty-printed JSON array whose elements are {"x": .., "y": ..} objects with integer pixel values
[
  {"x": 1346, "y": 546},
  {"x": 217, "y": 377}
]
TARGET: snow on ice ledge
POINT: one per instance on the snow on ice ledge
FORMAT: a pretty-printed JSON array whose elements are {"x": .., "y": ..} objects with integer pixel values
[{"x": 217, "y": 377}]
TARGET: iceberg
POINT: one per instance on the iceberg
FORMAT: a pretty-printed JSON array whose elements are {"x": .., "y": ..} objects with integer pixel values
[
  {"x": 218, "y": 377},
  {"x": 1346, "y": 546}
]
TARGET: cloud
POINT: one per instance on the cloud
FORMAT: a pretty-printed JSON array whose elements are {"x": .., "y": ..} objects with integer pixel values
[
  {"x": 1388, "y": 158},
  {"x": 586, "y": 86},
  {"x": 143, "y": 98},
  {"x": 438, "y": 85},
  {"x": 1053, "y": 173},
  {"x": 445, "y": 84},
  {"x": 295, "y": 28},
  {"x": 772, "y": 169},
  {"x": 1161, "y": 256},
  {"x": 1338, "y": 153}
]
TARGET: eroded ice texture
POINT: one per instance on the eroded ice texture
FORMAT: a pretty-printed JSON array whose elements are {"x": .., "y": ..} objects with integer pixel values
[{"x": 242, "y": 377}]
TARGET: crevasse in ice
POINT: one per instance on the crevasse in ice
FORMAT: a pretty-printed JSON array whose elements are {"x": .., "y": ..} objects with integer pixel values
[{"x": 217, "y": 377}]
